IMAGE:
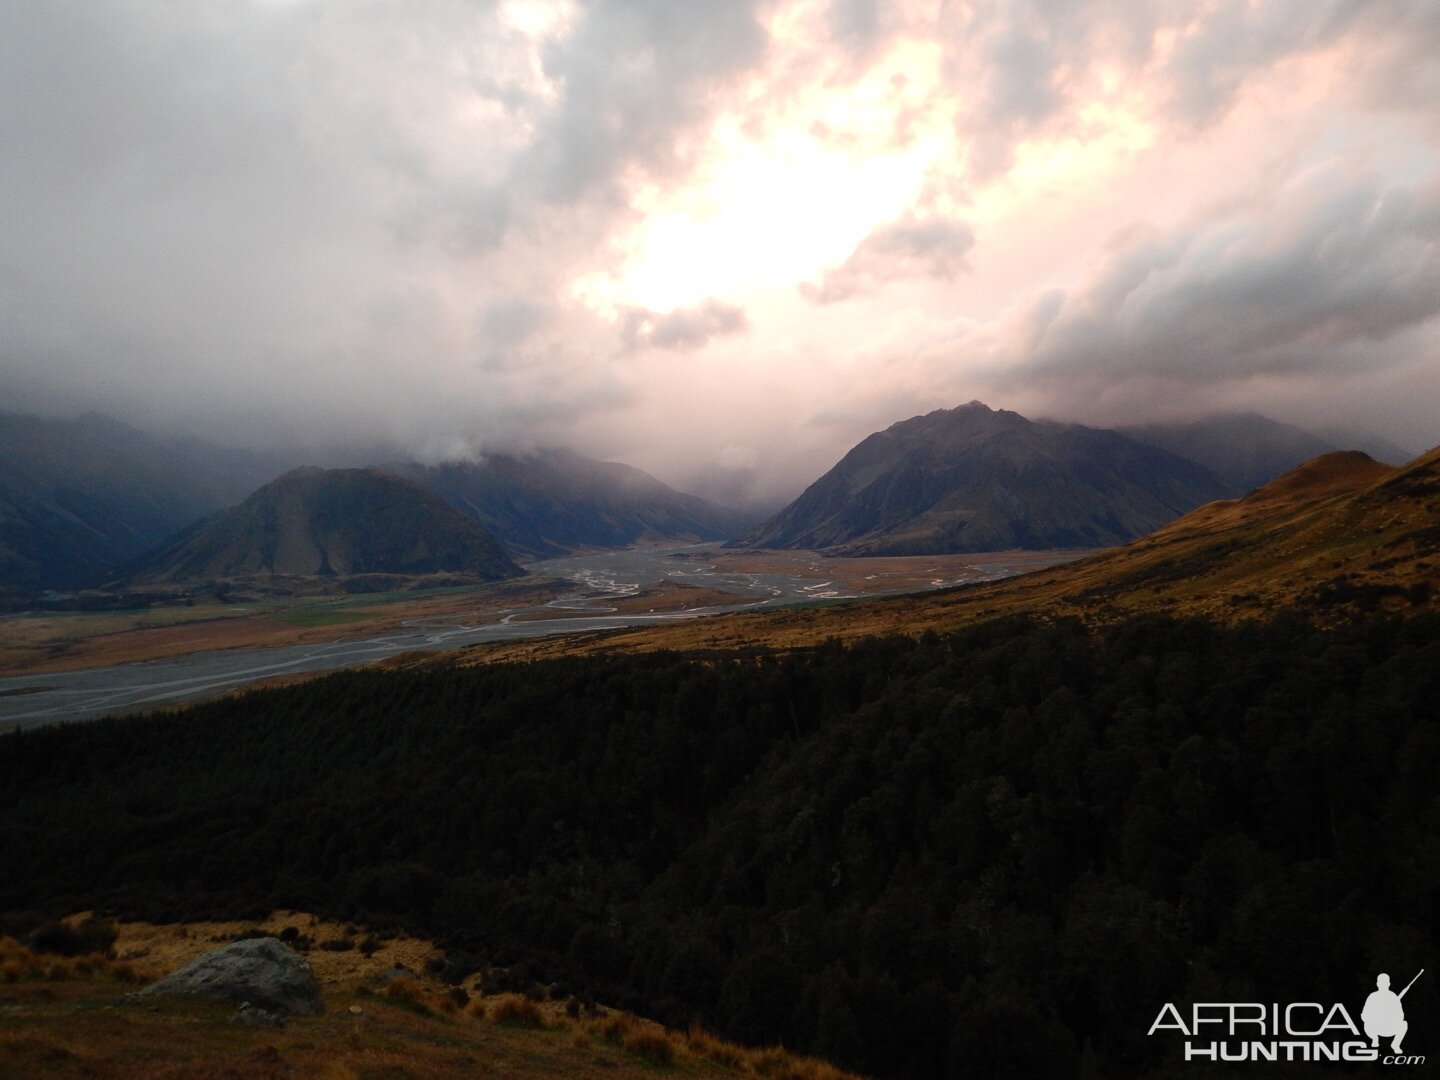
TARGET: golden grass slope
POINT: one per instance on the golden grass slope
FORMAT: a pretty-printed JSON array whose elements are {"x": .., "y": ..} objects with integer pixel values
[
  {"x": 67, "y": 1017},
  {"x": 1339, "y": 536}
]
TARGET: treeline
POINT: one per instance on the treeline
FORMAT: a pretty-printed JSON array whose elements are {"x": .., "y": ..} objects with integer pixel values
[{"x": 992, "y": 853}]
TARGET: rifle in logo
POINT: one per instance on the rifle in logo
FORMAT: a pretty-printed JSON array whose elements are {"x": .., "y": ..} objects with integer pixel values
[{"x": 1383, "y": 1015}]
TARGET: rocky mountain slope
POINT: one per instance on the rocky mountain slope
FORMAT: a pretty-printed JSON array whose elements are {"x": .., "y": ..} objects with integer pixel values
[{"x": 978, "y": 479}]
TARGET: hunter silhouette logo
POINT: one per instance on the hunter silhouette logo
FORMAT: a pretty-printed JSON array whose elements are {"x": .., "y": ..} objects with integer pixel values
[
  {"x": 1300, "y": 1031},
  {"x": 1384, "y": 1016}
]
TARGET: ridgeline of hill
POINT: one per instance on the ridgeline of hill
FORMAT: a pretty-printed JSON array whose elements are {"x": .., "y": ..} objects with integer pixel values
[
  {"x": 329, "y": 523},
  {"x": 977, "y": 479}
]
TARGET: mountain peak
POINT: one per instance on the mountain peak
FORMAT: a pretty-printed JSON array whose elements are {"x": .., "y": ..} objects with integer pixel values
[
  {"x": 331, "y": 522},
  {"x": 979, "y": 479}
]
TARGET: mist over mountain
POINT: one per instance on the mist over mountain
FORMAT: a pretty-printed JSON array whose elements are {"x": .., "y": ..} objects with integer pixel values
[
  {"x": 1246, "y": 449},
  {"x": 1377, "y": 446},
  {"x": 336, "y": 522},
  {"x": 553, "y": 502},
  {"x": 79, "y": 496},
  {"x": 978, "y": 479}
]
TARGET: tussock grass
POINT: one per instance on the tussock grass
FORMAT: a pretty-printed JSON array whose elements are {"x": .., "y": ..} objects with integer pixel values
[
  {"x": 516, "y": 1010},
  {"x": 411, "y": 1027},
  {"x": 18, "y": 962}
]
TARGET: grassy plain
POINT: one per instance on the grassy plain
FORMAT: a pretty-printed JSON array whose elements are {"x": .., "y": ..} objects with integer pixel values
[{"x": 41, "y": 642}]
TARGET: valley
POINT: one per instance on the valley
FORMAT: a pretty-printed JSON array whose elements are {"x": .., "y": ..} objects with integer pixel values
[{"x": 69, "y": 666}]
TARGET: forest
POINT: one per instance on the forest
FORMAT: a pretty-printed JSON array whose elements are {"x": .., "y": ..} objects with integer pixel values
[{"x": 994, "y": 852}]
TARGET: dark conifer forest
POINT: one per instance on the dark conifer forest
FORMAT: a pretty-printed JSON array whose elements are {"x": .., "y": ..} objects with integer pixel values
[{"x": 991, "y": 853}]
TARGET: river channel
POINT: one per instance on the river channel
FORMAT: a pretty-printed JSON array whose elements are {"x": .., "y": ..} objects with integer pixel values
[{"x": 599, "y": 579}]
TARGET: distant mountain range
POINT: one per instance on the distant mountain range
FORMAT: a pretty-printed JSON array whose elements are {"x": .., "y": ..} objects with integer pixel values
[
  {"x": 980, "y": 479},
  {"x": 82, "y": 498},
  {"x": 329, "y": 523},
  {"x": 556, "y": 502}
]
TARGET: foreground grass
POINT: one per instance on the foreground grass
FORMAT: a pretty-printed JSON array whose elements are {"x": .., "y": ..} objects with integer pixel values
[{"x": 69, "y": 1017}]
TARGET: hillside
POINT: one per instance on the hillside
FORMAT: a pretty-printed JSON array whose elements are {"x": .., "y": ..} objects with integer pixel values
[
  {"x": 329, "y": 523},
  {"x": 557, "y": 502},
  {"x": 1338, "y": 535},
  {"x": 980, "y": 853},
  {"x": 977, "y": 479}
]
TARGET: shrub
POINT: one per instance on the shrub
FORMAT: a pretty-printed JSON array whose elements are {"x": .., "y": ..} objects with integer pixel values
[
  {"x": 516, "y": 1011},
  {"x": 93, "y": 935},
  {"x": 650, "y": 1045}
]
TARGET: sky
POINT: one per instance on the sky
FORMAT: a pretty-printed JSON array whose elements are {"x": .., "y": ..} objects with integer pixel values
[{"x": 720, "y": 241}]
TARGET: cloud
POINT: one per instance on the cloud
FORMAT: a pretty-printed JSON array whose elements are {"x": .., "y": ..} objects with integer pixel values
[
  {"x": 635, "y": 75},
  {"x": 259, "y": 220},
  {"x": 682, "y": 328},
  {"x": 909, "y": 248},
  {"x": 1335, "y": 262}
]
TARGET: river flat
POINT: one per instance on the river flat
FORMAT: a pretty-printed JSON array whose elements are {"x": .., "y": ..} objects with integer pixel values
[{"x": 610, "y": 591}]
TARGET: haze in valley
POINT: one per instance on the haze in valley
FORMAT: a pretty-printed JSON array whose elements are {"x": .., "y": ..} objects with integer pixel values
[{"x": 721, "y": 242}]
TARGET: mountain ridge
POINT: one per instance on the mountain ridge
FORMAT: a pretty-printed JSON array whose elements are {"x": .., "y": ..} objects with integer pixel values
[{"x": 975, "y": 479}]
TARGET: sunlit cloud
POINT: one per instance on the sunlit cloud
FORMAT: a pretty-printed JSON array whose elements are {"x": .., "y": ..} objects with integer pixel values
[{"x": 680, "y": 233}]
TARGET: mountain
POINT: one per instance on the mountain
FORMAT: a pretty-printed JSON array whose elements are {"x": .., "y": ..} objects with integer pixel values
[
  {"x": 329, "y": 522},
  {"x": 79, "y": 496},
  {"x": 1246, "y": 449},
  {"x": 555, "y": 502},
  {"x": 978, "y": 479}
]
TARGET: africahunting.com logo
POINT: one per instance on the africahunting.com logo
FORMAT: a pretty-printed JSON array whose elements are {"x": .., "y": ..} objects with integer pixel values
[{"x": 1299, "y": 1031}]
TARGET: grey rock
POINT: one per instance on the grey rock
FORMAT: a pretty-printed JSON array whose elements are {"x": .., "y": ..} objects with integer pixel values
[
  {"x": 249, "y": 1016},
  {"x": 261, "y": 972}
]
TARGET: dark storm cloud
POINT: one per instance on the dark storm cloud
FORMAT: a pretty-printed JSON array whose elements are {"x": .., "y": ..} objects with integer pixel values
[
  {"x": 682, "y": 328},
  {"x": 1313, "y": 285},
  {"x": 909, "y": 248}
]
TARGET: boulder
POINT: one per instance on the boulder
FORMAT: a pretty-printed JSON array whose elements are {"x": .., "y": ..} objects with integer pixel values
[
  {"x": 249, "y": 1016},
  {"x": 262, "y": 972}
]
